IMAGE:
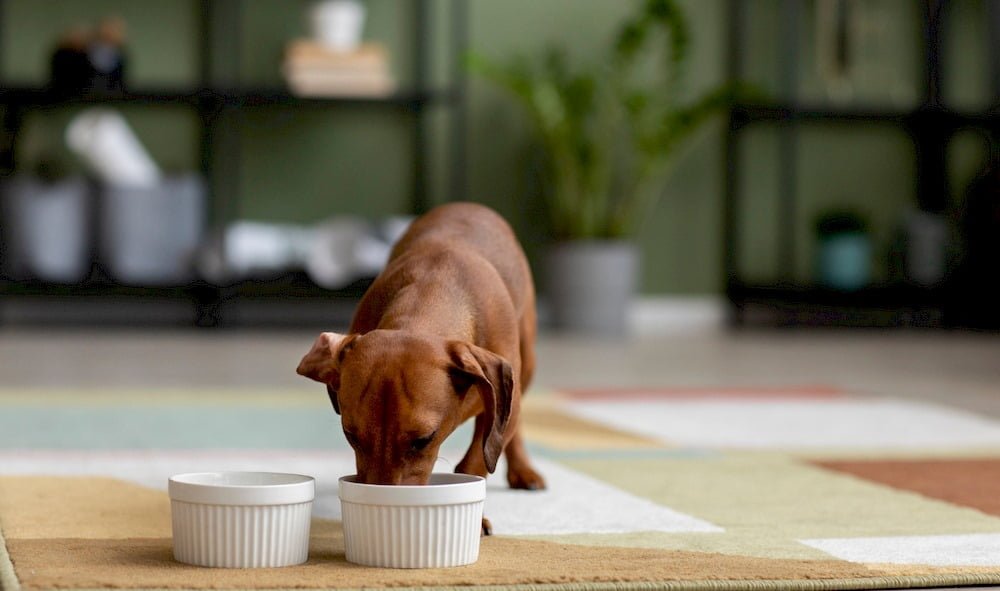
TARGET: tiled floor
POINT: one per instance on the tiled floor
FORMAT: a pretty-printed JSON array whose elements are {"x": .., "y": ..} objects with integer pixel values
[{"x": 961, "y": 369}]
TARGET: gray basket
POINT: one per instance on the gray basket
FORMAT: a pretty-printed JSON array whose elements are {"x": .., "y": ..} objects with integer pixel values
[
  {"x": 149, "y": 236},
  {"x": 46, "y": 230}
]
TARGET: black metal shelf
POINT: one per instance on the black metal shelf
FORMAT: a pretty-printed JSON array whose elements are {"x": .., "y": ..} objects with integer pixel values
[
  {"x": 29, "y": 97},
  {"x": 295, "y": 285},
  {"x": 887, "y": 305},
  {"x": 93, "y": 288},
  {"x": 281, "y": 97},
  {"x": 746, "y": 113},
  {"x": 292, "y": 299},
  {"x": 872, "y": 296},
  {"x": 211, "y": 304},
  {"x": 929, "y": 125}
]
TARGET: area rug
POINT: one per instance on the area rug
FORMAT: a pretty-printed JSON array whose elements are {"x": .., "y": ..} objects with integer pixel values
[{"x": 677, "y": 488}]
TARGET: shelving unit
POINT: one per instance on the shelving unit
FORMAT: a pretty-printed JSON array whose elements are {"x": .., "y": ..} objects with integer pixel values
[
  {"x": 930, "y": 125},
  {"x": 27, "y": 98},
  {"x": 213, "y": 100}
]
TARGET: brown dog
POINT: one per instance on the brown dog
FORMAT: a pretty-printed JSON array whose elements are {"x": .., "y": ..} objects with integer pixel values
[{"x": 445, "y": 333}]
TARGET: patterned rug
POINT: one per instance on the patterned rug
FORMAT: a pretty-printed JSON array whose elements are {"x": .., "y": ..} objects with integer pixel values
[{"x": 740, "y": 488}]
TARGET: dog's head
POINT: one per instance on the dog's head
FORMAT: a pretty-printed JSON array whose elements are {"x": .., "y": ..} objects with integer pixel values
[{"x": 400, "y": 395}]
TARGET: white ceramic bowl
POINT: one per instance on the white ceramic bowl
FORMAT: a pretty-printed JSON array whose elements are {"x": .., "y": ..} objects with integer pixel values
[
  {"x": 241, "y": 519},
  {"x": 413, "y": 526}
]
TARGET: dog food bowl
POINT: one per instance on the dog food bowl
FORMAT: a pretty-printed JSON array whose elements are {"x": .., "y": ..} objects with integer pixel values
[
  {"x": 413, "y": 526},
  {"x": 241, "y": 519}
]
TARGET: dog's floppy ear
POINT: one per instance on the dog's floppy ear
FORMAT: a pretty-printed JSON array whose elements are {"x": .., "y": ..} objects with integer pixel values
[
  {"x": 322, "y": 362},
  {"x": 495, "y": 380}
]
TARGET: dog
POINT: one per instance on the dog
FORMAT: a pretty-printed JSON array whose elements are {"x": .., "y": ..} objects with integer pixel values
[{"x": 445, "y": 333}]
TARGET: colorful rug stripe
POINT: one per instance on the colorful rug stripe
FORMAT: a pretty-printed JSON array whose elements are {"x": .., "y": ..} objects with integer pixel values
[{"x": 681, "y": 392}]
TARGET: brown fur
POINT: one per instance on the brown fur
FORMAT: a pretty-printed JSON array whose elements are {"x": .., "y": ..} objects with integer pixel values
[{"x": 445, "y": 333}]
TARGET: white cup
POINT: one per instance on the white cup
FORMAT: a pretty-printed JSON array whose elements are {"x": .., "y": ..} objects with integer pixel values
[{"x": 338, "y": 24}]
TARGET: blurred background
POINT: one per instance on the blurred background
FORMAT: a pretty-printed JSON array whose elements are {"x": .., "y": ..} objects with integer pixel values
[
  {"x": 232, "y": 163},
  {"x": 762, "y": 231}
]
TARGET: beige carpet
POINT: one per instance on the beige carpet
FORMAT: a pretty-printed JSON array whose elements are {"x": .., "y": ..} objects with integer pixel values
[
  {"x": 79, "y": 533},
  {"x": 97, "y": 533}
]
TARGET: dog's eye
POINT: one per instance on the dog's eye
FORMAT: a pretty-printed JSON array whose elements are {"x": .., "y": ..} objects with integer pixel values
[
  {"x": 461, "y": 381},
  {"x": 420, "y": 443}
]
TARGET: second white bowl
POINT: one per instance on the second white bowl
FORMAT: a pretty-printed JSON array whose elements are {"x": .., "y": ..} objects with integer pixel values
[
  {"x": 241, "y": 519},
  {"x": 430, "y": 526}
]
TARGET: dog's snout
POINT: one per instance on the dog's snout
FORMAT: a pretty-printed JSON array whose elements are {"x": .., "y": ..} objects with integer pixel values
[
  {"x": 380, "y": 479},
  {"x": 391, "y": 477}
]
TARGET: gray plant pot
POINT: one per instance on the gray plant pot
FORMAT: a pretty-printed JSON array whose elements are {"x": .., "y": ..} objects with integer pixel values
[{"x": 590, "y": 285}]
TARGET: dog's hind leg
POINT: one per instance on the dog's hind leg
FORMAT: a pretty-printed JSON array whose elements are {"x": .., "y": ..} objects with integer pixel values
[
  {"x": 528, "y": 329},
  {"x": 520, "y": 473}
]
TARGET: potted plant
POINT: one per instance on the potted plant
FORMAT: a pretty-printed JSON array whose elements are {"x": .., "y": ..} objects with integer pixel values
[{"x": 606, "y": 134}]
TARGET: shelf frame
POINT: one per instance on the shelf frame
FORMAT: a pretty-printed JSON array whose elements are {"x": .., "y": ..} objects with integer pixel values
[
  {"x": 929, "y": 126},
  {"x": 219, "y": 95}
]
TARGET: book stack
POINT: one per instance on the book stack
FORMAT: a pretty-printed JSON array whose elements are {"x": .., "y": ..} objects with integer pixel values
[{"x": 313, "y": 70}]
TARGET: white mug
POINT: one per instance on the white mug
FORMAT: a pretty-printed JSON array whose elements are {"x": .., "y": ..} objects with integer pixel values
[{"x": 338, "y": 24}]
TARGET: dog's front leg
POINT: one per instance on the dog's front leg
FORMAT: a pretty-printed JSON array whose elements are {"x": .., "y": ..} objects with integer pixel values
[
  {"x": 474, "y": 463},
  {"x": 520, "y": 473}
]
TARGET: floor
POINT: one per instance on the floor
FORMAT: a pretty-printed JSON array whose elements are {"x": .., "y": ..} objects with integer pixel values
[{"x": 957, "y": 368}]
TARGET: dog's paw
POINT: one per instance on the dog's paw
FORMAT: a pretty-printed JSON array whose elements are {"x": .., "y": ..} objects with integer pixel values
[
  {"x": 525, "y": 477},
  {"x": 487, "y": 527}
]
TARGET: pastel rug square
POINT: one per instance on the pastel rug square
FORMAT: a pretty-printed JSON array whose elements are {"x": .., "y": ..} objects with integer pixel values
[
  {"x": 967, "y": 482},
  {"x": 574, "y": 502},
  {"x": 791, "y": 424},
  {"x": 954, "y": 550}
]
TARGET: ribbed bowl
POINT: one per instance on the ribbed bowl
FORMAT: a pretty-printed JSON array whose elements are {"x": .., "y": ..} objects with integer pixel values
[
  {"x": 436, "y": 525},
  {"x": 241, "y": 519}
]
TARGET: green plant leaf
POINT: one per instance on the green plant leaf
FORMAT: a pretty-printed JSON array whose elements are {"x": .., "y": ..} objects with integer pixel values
[{"x": 606, "y": 136}]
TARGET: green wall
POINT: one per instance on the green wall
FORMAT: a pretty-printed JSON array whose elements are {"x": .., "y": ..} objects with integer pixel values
[{"x": 300, "y": 165}]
